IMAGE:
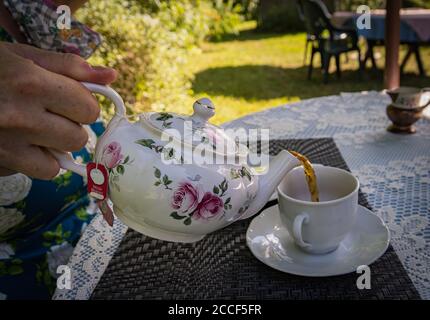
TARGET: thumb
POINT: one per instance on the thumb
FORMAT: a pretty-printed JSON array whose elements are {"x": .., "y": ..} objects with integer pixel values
[{"x": 66, "y": 64}]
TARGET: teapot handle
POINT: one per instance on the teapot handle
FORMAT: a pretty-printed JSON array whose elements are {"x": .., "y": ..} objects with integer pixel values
[{"x": 65, "y": 159}]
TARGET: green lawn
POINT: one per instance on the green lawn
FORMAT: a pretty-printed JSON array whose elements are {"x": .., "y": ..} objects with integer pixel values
[{"x": 255, "y": 71}]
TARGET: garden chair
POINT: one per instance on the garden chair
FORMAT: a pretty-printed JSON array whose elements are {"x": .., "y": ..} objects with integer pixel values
[
  {"x": 330, "y": 41},
  {"x": 309, "y": 38}
]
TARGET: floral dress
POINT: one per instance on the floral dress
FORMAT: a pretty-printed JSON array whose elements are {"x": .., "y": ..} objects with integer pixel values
[{"x": 41, "y": 221}]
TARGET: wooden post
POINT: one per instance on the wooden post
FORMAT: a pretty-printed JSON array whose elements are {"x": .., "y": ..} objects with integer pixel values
[{"x": 392, "y": 44}]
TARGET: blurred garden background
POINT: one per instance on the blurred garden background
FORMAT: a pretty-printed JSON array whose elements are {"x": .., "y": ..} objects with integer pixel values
[{"x": 246, "y": 55}]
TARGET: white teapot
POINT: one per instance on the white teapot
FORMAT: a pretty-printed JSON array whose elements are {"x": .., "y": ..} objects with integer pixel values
[{"x": 161, "y": 194}]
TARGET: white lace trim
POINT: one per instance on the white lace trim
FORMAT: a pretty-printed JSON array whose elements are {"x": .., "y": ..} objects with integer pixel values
[{"x": 91, "y": 257}]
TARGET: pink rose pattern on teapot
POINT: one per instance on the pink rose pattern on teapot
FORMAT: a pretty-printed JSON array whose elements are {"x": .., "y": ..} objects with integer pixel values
[
  {"x": 112, "y": 155},
  {"x": 210, "y": 206},
  {"x": 185, "y": 198},
  {"x": 115, "y": 162},
  {"x": 190, "y": 202}
]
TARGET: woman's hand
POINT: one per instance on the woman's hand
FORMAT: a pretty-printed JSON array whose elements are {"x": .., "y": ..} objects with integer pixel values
[{"x": 42, "y": 105}]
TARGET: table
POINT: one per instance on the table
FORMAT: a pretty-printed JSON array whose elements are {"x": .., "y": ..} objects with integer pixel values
[
  {"x": 414, "y": 31},
  {"x": 394, "y": 172},
  {"x": 221, "y": 267},
  {"x": 415, "y": 24}
]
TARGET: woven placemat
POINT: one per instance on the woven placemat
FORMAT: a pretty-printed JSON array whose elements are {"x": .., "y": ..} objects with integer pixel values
[{"x": 221, "y": 266}]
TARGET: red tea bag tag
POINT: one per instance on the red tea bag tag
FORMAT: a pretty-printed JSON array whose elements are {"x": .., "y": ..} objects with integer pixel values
[{"x": 97, "y": 176}]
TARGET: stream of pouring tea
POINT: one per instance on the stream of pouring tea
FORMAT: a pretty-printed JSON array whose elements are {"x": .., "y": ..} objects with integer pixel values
[{"x": 311, "y": 178}]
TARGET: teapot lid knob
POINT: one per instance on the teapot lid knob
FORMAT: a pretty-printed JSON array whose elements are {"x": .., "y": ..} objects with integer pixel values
[{"x": 203, "y": 109}]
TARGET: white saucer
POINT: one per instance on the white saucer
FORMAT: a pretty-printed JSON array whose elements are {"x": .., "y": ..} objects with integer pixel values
[{"x": 270, "y": 242}]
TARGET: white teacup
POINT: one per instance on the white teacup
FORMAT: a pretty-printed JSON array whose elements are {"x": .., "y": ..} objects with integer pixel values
[{"x": 319, "y": 227}]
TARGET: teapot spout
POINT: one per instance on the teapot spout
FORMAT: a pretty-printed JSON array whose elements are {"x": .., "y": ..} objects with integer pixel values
[{"x": 282, "y": 163}]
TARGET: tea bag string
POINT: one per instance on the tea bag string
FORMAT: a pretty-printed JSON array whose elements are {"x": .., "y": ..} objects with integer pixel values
[{"x": 97, "y": 163}]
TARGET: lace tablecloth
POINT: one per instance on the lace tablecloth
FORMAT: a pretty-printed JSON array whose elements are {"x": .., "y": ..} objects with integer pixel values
[{"x": 394, "y": 172}]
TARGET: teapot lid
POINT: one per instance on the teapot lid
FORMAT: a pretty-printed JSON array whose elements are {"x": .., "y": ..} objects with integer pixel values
[{"x": 195, "y": 129}]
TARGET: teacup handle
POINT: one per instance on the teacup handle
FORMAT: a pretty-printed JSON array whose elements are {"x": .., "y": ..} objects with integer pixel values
[
  {"x": 299, "y": 220},
  {"x": 423, "y": 90},
  {"x": 65, "y": 159}
]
